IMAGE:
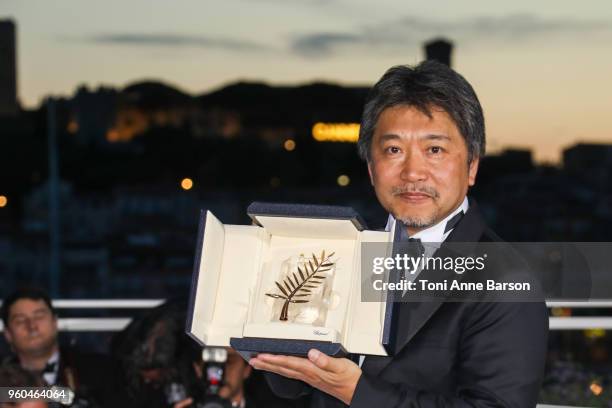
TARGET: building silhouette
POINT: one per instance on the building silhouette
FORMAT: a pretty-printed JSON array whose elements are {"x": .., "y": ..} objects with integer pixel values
[
  {"x": 439, "y": 50},
  {"x": 8, "y": 69},
  {"x": 591, "y": 163},
  {"x": 92, "y": 114}
]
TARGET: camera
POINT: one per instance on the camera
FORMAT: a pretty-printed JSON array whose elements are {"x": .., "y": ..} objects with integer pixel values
[{"x": 214, "y": 359}]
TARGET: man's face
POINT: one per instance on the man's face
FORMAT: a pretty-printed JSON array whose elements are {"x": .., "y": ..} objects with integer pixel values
[
  {"x": 31, "y": 328},
  {"x": 25, "y": 404},
  {"x": 236, "y": 371},
  {"x": 419, "y": 165}
]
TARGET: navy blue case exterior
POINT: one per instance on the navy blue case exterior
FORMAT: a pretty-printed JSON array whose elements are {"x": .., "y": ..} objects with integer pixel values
[
  {"x": 331, "y": 212},
  {"x": 248, "y": 346},
  {"x": 195, "y": 276},
  {"x": 389, "y": 328}
]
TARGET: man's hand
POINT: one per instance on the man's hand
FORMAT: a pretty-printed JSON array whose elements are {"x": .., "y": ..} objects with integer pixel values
[
  {"x": 184, "y": 403},
  {"x": 336, "y": 376}
]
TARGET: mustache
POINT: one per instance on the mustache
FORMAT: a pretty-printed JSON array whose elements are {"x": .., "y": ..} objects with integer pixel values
[{"x": 413, "y": 188}]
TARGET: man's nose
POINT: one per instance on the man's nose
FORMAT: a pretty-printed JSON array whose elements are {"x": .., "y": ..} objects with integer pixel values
[
  {"x": 31, "y": 325},
  {"x": 414, "y": 167}
]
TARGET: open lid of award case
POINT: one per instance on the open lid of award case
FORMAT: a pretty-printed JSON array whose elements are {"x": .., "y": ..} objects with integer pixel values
[{"x": 289, "y": 283}]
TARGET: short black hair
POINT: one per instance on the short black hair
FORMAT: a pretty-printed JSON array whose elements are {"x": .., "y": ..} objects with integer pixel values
[
  {"x": 24, "y": 293},
  {"x": 428, "y": 85}
]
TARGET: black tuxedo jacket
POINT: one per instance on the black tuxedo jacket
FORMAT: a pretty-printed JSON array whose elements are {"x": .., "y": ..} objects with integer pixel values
[
  {"x": 451, "y": 354},
  {"x": 91, "y": 376}
]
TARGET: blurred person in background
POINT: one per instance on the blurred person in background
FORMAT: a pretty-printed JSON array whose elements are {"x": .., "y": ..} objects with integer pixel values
[
  {"x": 221, "y": 373},
  {"x": 154, "y": 357},
  {"x": 163, "y": 367},
  {"x": 225, "y": 379},
  {"x": 31, "y": 330},
  {"x": 12, "y": 376}
]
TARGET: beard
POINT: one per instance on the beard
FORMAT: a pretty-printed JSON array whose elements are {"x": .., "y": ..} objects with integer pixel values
[{"x": 417, "y": 222}]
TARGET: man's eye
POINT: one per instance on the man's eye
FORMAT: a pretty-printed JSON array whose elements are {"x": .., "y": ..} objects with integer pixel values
[
  {"x": 435, "y": 149},
  {"x": 393, "y": 150}
]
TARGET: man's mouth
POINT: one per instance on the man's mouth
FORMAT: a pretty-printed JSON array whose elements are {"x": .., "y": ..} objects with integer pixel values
[
  {"x": 414, "y": 197},
  {"x": 415, "y": 194}
]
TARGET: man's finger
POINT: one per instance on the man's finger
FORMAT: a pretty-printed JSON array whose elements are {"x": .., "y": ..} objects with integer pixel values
[
  {"x": 323, "y": 361},
  {"x": 183, "y": 403},
  {"x": 294, "y": 363},
  {"x": 274, "y": 368}
]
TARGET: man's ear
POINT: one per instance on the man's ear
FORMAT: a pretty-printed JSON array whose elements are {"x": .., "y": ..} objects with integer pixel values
[
  {"x": 370, "y": 172},
  {"x": 473, "y": 171},
  {"x": 7, "y": 335}
]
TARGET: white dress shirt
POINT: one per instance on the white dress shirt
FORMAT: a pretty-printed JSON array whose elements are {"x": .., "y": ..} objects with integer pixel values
[
  {"x": 431, "y": 238},
  {"x": 51, "y": 377}
]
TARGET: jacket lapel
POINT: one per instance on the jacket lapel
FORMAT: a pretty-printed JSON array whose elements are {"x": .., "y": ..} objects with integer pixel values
[
  {"x": 471, "y": 227},
  {"x": 414, "y": 315}
]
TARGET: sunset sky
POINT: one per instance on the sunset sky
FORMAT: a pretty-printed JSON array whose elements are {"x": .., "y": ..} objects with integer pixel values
[{"x": 542, "y": 69}]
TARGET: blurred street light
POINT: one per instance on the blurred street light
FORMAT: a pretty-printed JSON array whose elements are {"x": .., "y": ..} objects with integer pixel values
[
  {"x": 289, "y": 145},
  {"x": 343, "y": 180},
  {"x": 596, "y": 388},
  {"x": 561, "y": 311},
  {"x": 594, "y": 334},
  {"x": 186, "y": 183},
  {"x": 73, "y": 126},
  {"x": 3, "y": 201}
]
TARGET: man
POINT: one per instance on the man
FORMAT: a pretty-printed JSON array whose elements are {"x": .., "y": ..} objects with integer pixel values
[
  {"x": 30, "y": 328},
  {"x": 422, "y": 135}
]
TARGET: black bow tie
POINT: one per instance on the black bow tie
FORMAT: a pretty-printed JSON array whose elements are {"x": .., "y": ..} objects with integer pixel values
[
  {"x": 49, "y": 368},
  {"x": 416, "y": 247}
]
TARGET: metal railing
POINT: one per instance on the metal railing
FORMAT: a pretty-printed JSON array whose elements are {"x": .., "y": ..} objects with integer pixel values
[
  {"x": 98, "y": 324},
  {"x": 113, "y": 324}
]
